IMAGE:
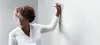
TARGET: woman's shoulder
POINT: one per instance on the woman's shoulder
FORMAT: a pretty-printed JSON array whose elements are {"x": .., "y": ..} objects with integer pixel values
[
  {"x": 35, "y": 25},
  {"x": 13, "y": 32}
]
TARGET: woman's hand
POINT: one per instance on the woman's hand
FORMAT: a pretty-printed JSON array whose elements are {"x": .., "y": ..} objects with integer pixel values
[{"x": 58, "y": 7}]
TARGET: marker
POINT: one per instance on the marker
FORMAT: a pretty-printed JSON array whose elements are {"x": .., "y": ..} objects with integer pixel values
[{"x": 62, "y": 6}]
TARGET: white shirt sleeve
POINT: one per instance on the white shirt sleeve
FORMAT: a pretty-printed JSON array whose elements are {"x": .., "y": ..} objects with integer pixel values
[
  {"x": 51, "y": 26},
  {"x": 12, "y": 39}
]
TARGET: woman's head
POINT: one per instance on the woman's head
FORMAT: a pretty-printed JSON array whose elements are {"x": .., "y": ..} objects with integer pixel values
[{"x": 24, "y": 14}]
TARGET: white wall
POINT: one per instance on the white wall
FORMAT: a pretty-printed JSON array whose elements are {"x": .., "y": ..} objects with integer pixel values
[
  {"x": 7, "y": 21},
  {"x": 81, "y": 22}
]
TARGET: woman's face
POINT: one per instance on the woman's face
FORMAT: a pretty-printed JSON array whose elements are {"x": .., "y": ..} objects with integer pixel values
[{"x": 22, "y": 21}]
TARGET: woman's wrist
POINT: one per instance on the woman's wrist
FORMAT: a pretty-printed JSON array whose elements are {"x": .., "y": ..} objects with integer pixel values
[{"x": 57, "y": 14}]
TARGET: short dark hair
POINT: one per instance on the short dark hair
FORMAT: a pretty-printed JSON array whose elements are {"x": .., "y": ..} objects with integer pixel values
[{"x": 27, "y": 12}]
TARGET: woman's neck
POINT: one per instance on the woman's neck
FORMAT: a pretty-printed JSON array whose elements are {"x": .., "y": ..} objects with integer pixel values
[{"x": 26, "y": 30}]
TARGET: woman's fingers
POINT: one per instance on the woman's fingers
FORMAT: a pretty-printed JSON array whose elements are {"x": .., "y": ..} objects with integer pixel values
[{"x": 58, "y": 7}]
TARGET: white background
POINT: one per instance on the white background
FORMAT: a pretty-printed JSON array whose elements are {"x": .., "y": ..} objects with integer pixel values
[{"x": 81, "y": 22}]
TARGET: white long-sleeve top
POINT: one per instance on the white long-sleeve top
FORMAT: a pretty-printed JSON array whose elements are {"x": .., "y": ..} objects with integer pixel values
[{"x": 18, "y": 37}]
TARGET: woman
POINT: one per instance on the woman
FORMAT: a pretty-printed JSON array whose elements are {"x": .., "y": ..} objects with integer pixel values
[{"x": 27, "y": 33}]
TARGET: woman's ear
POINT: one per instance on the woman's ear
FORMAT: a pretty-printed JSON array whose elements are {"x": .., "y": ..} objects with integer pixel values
[{"x": 15, "y": 11}]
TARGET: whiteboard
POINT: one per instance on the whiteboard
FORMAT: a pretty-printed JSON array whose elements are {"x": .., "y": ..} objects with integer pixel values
[{"x": 81, "y": 21}]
